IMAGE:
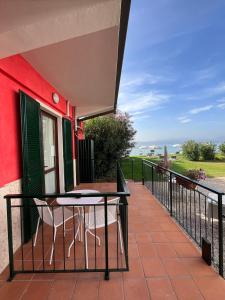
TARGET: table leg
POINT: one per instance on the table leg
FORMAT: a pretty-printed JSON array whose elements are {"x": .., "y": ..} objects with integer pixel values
[{"x": 73, "y": 241}]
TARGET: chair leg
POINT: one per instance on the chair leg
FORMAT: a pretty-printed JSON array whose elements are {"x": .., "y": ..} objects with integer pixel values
[
  {"x": 81, "y": 213},
  {"x": 120, "y": 233},
  {"x": 95, "y": 236},
  {"x": 64, "y": 228},
  {"x": 86, "y": 249},
  {"x": 79, "y": 222},
  {"x": 80, "y": 230},
  {"x": 36, "y": 233},
  {"x": 53, "y": 245},
  {"x": 73, "y": 241}
]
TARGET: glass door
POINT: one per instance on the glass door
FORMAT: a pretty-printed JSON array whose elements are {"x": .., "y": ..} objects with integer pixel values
[{"x": 49, "y": 133}]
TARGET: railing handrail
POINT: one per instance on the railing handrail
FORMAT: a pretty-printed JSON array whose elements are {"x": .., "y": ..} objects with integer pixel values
[
  {"x": 66, "y": 195},
  {"x": 123, "y": 181},
  {"x": 215, "y": 191},
  {"x": 71, "y": 205}
]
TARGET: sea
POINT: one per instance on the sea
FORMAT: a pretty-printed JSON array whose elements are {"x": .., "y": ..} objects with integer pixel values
[{"x": 144, "y": 148}]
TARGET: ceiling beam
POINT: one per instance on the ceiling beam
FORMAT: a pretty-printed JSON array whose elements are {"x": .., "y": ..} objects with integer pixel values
[{"x": 124, "y": 18}]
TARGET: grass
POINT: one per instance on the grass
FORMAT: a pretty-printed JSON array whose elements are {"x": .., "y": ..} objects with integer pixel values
[{"x": 214, "y": 168}]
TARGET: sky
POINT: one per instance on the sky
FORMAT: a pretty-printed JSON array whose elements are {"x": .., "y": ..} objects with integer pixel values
[{"x": 173, "y": 76}]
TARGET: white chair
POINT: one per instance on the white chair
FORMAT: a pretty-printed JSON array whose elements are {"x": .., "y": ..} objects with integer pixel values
[
  {"x": 55, "y": 218},
  {"x": 95, "y": 218}
]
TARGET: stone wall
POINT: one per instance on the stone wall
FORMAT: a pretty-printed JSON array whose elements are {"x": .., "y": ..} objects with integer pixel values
[{"x": 11, "y": 188}]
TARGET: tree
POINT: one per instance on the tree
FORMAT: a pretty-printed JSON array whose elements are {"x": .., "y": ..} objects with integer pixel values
[
  {"x": 191, "y": 150},
  {"x": 222, "y": 148},
  {"x": 208, "y": 151},
  {"x": 113, "y": 138}
]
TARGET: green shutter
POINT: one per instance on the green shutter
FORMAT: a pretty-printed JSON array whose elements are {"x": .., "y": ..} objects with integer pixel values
[
  {"x": 68, "y": 154},
  {"x": 32, "y": 160}
]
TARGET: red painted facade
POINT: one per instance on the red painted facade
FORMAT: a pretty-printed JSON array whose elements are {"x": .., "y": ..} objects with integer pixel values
[{"x": 17, "y": 74}]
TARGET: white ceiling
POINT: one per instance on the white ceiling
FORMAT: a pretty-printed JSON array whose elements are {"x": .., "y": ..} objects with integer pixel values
[{"x": 73, "y": 44}]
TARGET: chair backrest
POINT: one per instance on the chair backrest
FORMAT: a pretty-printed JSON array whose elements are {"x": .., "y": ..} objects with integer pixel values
[
  {"x": 44, "y": 211},
  {"x": 96, "y": 214}
]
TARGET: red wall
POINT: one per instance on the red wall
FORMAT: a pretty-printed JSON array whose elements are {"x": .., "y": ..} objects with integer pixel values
[{"x": 17, "y": 74}]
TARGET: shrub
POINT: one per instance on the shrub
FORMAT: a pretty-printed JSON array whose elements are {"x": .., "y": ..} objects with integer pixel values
[
  {"x": 192, "y": 174},
  {"x": 208, "y": 151},
  {"x": 222, "y": 148},
  {"x": 191, "y": 150},
  {"x": 113, "y": 138}
]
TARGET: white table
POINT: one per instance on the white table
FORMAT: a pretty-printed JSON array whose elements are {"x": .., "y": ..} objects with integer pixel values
[
  {"x": 77, "y": 202},
  {"x": 213, "y": 205}
]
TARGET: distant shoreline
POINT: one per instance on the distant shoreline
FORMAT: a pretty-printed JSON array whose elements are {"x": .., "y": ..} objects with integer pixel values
[{"x": 142, "y": 149}]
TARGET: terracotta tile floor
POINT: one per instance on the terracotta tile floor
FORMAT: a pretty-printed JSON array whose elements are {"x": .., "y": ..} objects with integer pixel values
[{"x": 164, "y": 264}]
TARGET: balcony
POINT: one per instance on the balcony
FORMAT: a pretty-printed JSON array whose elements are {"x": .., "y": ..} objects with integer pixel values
[{"x": 164, "y": 263}]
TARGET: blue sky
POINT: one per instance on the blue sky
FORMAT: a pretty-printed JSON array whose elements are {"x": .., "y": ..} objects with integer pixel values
[{"x": 173, "y": 78}]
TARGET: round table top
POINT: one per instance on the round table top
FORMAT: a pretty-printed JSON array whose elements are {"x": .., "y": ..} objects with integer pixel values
[{"x": 80, "y": 201}]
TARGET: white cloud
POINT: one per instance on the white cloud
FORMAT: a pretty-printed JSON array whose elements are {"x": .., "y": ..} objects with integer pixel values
[
  {"x": 205, "y": 74},
  {"x": 194, "y": 111},
  {"x": 135, "y": 80},
  {"x": 197, "y": 110},
  {"x": 217, "y": 90},
  {"x": 199, "y": 76},
  {"x": 131, "y": 81},
  {"x": 206, "y": 93},
  {"x": 137, "y": 94},
  {"x": 137, "y": 113},
  {"x": 184, "y": 120},
  {"x": 133, "y": 118},
  {"x": 133, "y": 102},
  {"x": 221, "y": 105}
]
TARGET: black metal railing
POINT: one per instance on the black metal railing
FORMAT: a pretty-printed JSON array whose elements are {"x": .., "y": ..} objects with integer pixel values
[
  {"x": 93, "y": 239},
  {"x": 132, "y": 168},
  {"x": 198, "y": 208}
]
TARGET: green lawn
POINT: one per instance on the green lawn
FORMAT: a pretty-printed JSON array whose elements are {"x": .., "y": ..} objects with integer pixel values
[{"x": 181, "y": 165}]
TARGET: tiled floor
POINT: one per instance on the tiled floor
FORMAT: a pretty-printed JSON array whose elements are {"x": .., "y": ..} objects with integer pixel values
[{"x": 164, "y": 264}]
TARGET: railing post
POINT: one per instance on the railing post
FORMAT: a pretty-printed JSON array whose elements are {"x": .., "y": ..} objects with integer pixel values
[
  {"x": 142, "y": 170},
  {"x": 10, "y": 239},
  {"x": 126, "y": 232},
  {"x": 123, "y": 209},
  {"x": 132, "y": 169},
  {"x": 171, "y": 195},
  {"x": 152, "y": 180},
  {"x": 117, "y": 176},
  {"x": 220, "y": 225},
  {"x": 106, "y": 240}
]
